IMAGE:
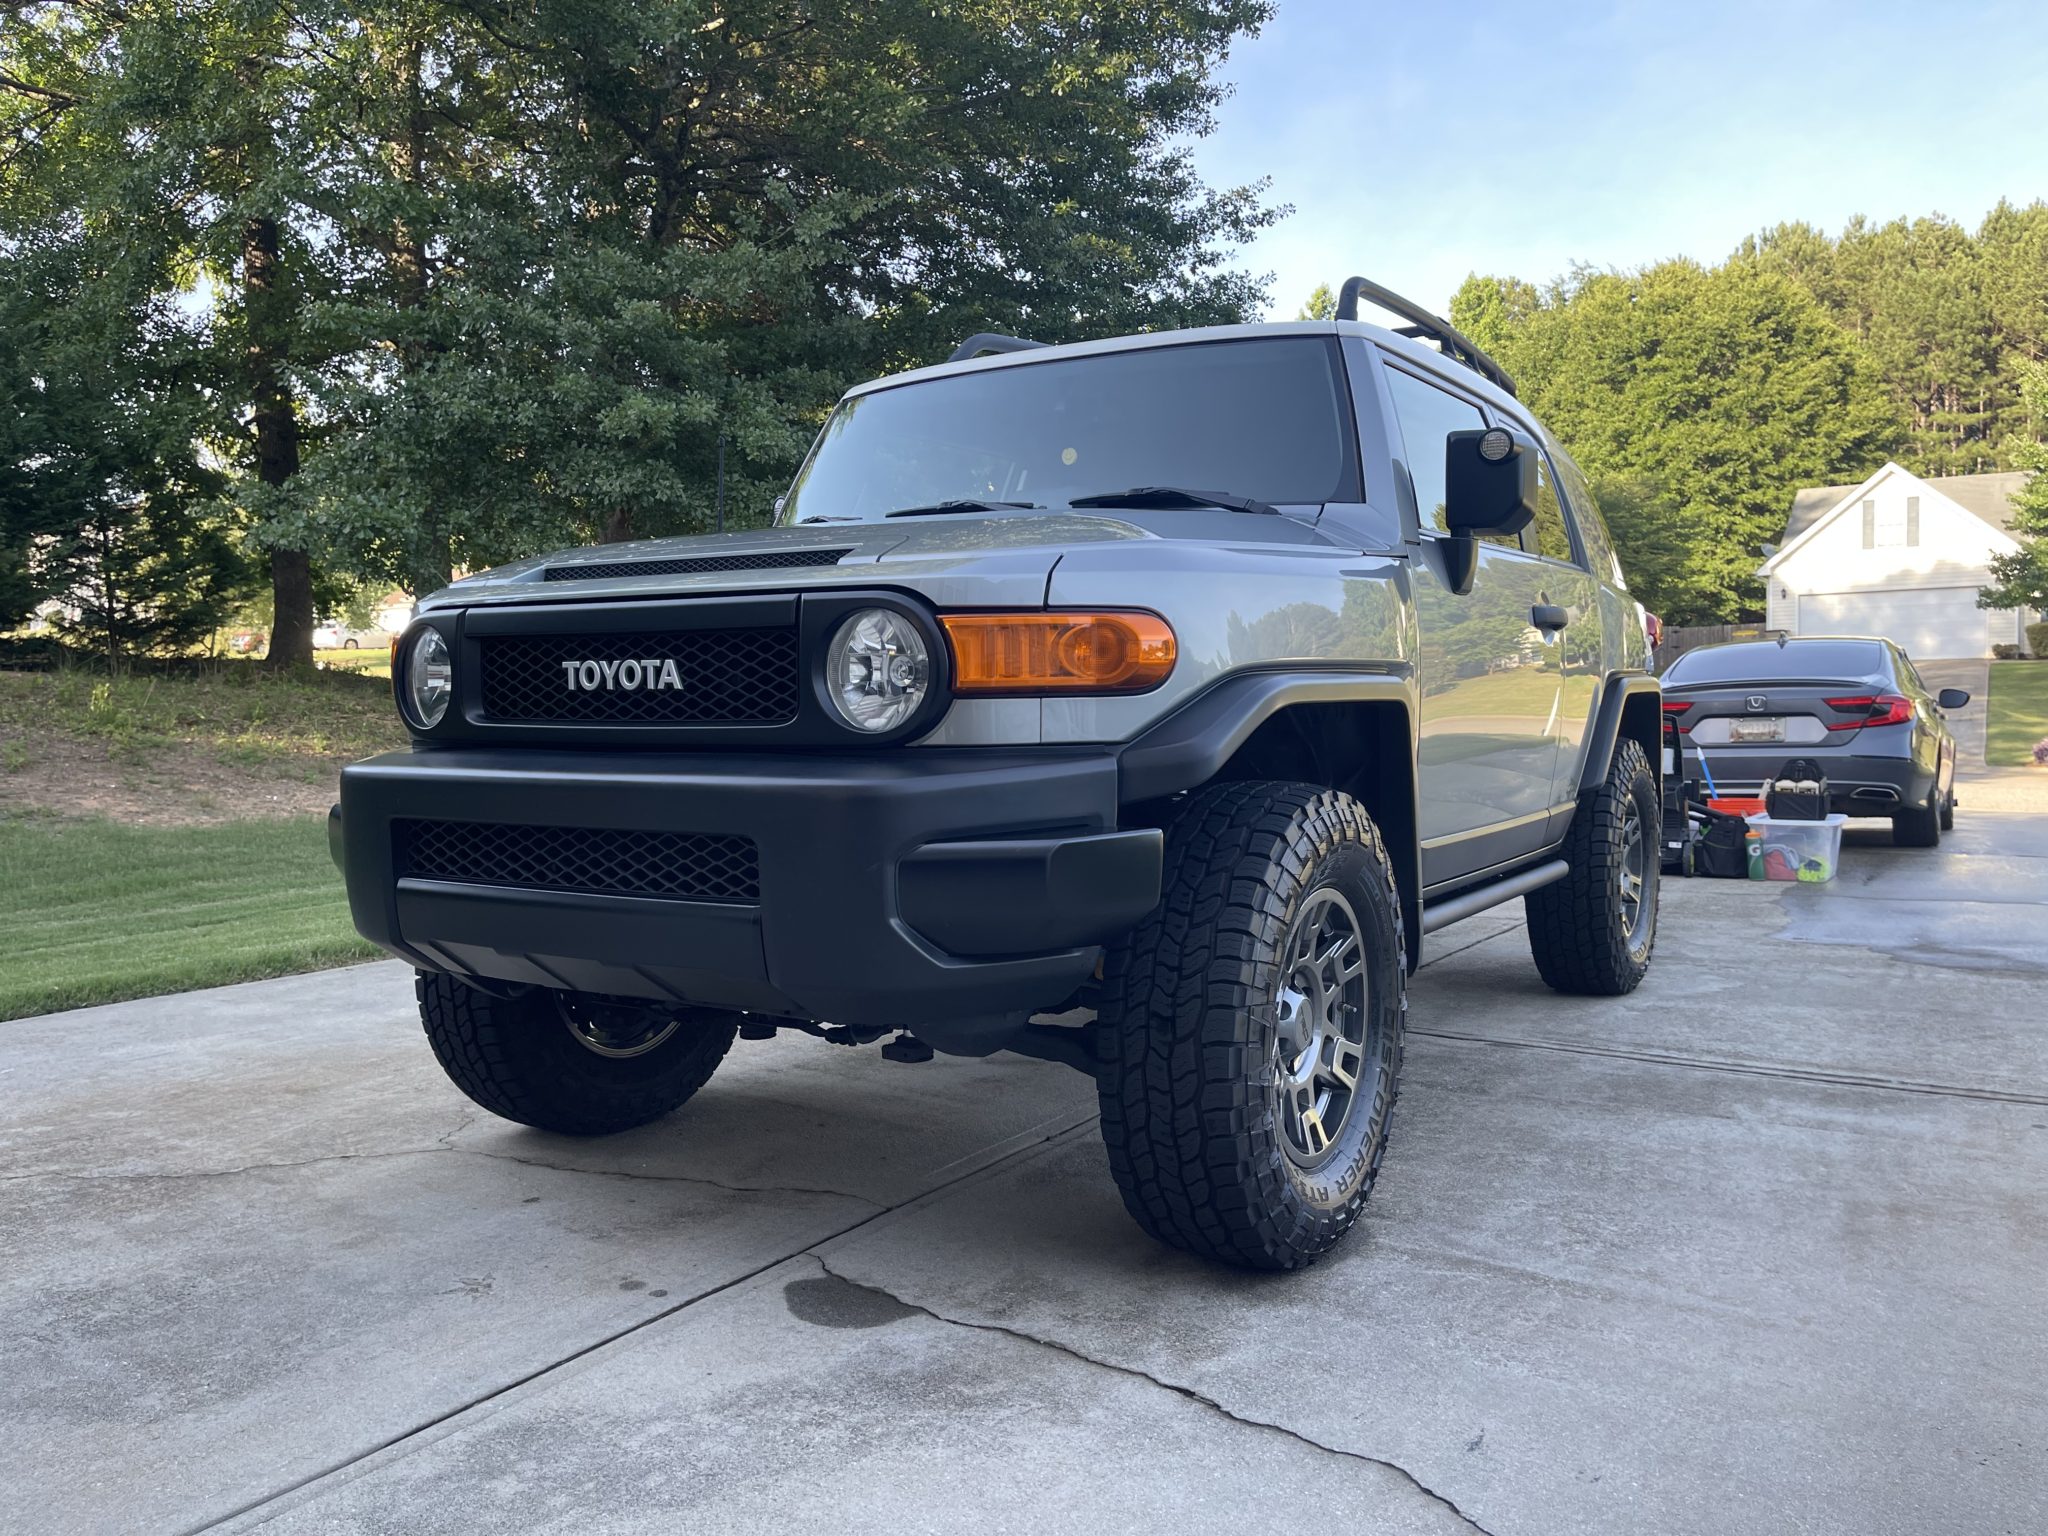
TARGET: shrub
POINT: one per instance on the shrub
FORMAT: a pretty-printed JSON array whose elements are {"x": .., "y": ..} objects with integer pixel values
[
  {"x": 2037, "y": 638},
  {"x": 2005, "y": 653}
]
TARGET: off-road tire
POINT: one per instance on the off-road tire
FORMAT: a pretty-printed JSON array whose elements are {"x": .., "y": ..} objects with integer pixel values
[
  {"x": 1921, "y": 826},
  {"x": 1188, "y": 1027},
  {"x": 1577, "y": 933},
  {"x": 518, "y": 1059}
]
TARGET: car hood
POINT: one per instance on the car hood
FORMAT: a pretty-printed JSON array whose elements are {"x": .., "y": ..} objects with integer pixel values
[{"x": 964, "y": 559}]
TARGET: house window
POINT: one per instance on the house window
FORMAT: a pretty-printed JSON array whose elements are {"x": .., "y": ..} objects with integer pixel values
[{"x": 1891, "y": 526}]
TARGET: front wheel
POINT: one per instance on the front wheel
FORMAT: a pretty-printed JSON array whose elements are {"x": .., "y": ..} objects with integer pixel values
[
  {"x": 1249, "y": 1032},
  {"x": 569, "y": 1061},
  {"x": 1592, "y": 932}
]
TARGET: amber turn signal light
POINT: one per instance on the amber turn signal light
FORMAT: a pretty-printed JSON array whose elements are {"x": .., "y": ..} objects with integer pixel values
[{"x": 1059, "y": 652}]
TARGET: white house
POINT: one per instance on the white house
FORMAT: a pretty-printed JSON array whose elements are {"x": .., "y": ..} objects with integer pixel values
[{"x": 1897, "y": 556}]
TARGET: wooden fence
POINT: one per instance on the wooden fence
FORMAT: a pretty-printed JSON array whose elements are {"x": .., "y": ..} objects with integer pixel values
[{"x": 1678, "y": 639}]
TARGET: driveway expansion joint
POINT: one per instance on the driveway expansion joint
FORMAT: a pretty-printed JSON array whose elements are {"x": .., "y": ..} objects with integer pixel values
[
  {"x": 1787, "y": 1072},
  {"x": 1201, "y": 1399},
  {"x": 441, "y": 1146}
]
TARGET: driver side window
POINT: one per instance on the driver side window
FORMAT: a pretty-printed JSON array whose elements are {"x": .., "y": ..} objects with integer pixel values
[{"x": 1427, "y": 416}]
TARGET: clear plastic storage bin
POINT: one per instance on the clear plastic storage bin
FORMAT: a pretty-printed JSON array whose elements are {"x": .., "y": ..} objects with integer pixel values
[{"x": 1804, "y": 850}]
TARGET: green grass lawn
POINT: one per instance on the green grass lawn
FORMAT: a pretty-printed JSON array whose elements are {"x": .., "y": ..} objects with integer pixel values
[
  {"x": 2016, "y": 713},
  {"x": 95, "y": 912},
  {"x": 241, "y": 712}
]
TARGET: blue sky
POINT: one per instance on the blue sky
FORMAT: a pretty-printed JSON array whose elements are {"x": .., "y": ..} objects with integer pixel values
[{"x": 1418, "y": 142}]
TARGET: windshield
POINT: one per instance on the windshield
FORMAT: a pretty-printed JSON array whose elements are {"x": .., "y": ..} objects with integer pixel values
[
  {"x": 1262, "y": 418},
  {"x": 1764, "y": 659}
]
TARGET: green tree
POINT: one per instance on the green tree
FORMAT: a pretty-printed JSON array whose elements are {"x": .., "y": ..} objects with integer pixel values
[
  {"x": 1321, "y": 305},
  {"x": 599, "y": 242},
  {"x": 477, "y": 279},
  {"x": 165, "y": 135},
  {"x": 109, "y": 506},
  {"x": 1704, "y": 397},
  {"x": 2020, "y": 580},
  {"x": 1948, "y": 318}
]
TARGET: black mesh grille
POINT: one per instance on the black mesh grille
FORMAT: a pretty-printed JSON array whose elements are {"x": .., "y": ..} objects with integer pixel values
[
  {"x": 682, "y": 866},
  {"x": 765, "y": 560},
  {"x": 696, "y": 677}
]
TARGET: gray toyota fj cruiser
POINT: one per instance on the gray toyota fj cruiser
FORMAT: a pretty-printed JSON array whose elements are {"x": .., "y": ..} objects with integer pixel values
[{"x": 1176, "y": 684}]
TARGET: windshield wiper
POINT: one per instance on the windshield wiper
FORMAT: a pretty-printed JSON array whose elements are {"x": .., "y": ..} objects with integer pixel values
[
  {"x": 824, "y": 517},
  {"x": 1171, "y": 496},
  {"x": 969, "y": 504}
]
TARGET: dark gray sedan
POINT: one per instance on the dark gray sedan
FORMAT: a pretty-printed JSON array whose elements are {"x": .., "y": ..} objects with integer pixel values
[{"x": 1852, "y": 704}]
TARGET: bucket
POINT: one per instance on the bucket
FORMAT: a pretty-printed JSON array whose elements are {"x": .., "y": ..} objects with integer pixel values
[{"x": 1736, "y": 805}]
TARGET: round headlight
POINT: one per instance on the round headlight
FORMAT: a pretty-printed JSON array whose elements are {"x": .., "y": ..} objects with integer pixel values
[
  {"x": 878, "y": 670},
  {"x": 429, "y": 679}
]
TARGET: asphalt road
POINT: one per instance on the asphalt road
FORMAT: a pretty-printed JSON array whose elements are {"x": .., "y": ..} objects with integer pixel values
[{"x": 1760, "y": 1248}]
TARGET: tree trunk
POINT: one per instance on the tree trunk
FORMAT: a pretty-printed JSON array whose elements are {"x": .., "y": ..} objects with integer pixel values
[
  {"x": 618, "y": 526},
  {"x": 277, "y": 435}
]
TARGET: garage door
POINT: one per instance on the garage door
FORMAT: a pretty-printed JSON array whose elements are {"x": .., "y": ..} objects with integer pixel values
[{"x": 1931, "y": 623}]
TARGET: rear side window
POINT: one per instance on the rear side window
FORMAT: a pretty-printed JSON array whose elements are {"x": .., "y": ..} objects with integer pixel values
[
  {"x": 1428, "y": 416},
  {"x": 1765, "y": 659},
  {"x": 1593, "y": 534},
  {"x": 1553, "y": 538}
]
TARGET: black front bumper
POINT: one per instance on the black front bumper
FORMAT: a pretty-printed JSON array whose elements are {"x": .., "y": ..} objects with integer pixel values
[{"x": 910, "y": 888}]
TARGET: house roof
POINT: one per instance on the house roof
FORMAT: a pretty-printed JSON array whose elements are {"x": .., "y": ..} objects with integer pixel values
[{"x": 1988, "y": 497}]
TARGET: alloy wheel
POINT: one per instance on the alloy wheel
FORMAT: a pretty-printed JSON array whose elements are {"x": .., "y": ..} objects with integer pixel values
[{"x": 1323, "y": 1043}]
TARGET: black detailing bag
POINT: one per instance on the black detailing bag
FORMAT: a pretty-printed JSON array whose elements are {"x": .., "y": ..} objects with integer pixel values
[
  {"x": 1799, "y": 793},
  {"x": 1723, "y": 848}
]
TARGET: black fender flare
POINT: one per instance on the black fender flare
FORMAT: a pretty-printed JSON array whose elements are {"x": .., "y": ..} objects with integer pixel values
[
  {"x": 1615, "y": 694},
  {"x": 1195, "y": 743}
]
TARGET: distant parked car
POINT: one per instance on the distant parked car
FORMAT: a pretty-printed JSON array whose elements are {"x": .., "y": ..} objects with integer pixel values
[
  {"x": 1852, "y": 704},
  {"x": 337, "y": 636},
  {"x": 247, "y": 642}
]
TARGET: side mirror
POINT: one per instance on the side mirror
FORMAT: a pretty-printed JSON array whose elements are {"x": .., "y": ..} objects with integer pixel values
[
  {"x": 1952, "y": 698},
  {"x": 1492, "y": 478},
  {"x": 780, "y": 502}
]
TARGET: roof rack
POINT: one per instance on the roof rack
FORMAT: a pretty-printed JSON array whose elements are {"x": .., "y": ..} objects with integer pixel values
[
  {"x": 1422, "y": 325},
  {"x": 985, "y": 342}
]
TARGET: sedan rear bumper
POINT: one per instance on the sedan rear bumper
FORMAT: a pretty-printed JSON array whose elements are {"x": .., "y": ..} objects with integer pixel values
[{"x": 1858, "y": 784}]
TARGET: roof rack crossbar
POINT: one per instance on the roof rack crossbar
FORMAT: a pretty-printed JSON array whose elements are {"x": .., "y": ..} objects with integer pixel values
[
  {"x": 985, "y": 342},
  {"x": 1423, "y": 326}
]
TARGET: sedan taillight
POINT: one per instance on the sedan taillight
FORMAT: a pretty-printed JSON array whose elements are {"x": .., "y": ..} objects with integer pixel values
[
  {"x": 1674, "y": 709},
  {"x": 1878, "y": 709}
]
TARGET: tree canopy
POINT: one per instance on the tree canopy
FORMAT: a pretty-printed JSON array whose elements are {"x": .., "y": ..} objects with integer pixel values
[
  {"x": 465, "y": 279},
  {"x": 1698, "y": 399}
]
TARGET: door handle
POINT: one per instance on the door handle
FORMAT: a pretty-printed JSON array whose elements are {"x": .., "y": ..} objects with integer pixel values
[{"x": 1548, "y": 617}]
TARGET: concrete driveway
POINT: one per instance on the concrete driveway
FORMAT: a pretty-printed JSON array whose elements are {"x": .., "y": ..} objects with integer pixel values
[
  {"x": 1968, "y": 723},
  {"x": 1760, "y": 1248}
]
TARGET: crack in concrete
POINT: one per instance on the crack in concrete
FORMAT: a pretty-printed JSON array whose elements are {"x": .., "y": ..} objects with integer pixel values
[
  {"x": 676, "y": 1178},
  {"x": 1201, "y": 1399}
]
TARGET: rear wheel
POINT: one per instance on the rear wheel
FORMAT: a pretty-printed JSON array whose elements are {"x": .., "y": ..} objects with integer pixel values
[
  {"x": 571, "y": 1062},
  {"x": 1948, "y": 811},
  {"x": 1921, "y": 826},
  {"x": 1250, "y": 1028},
  {"x": 1592, "y": 932}
]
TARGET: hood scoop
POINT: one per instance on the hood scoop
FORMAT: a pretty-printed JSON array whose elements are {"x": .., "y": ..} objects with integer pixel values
[{"x": 690, "y": 565}]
